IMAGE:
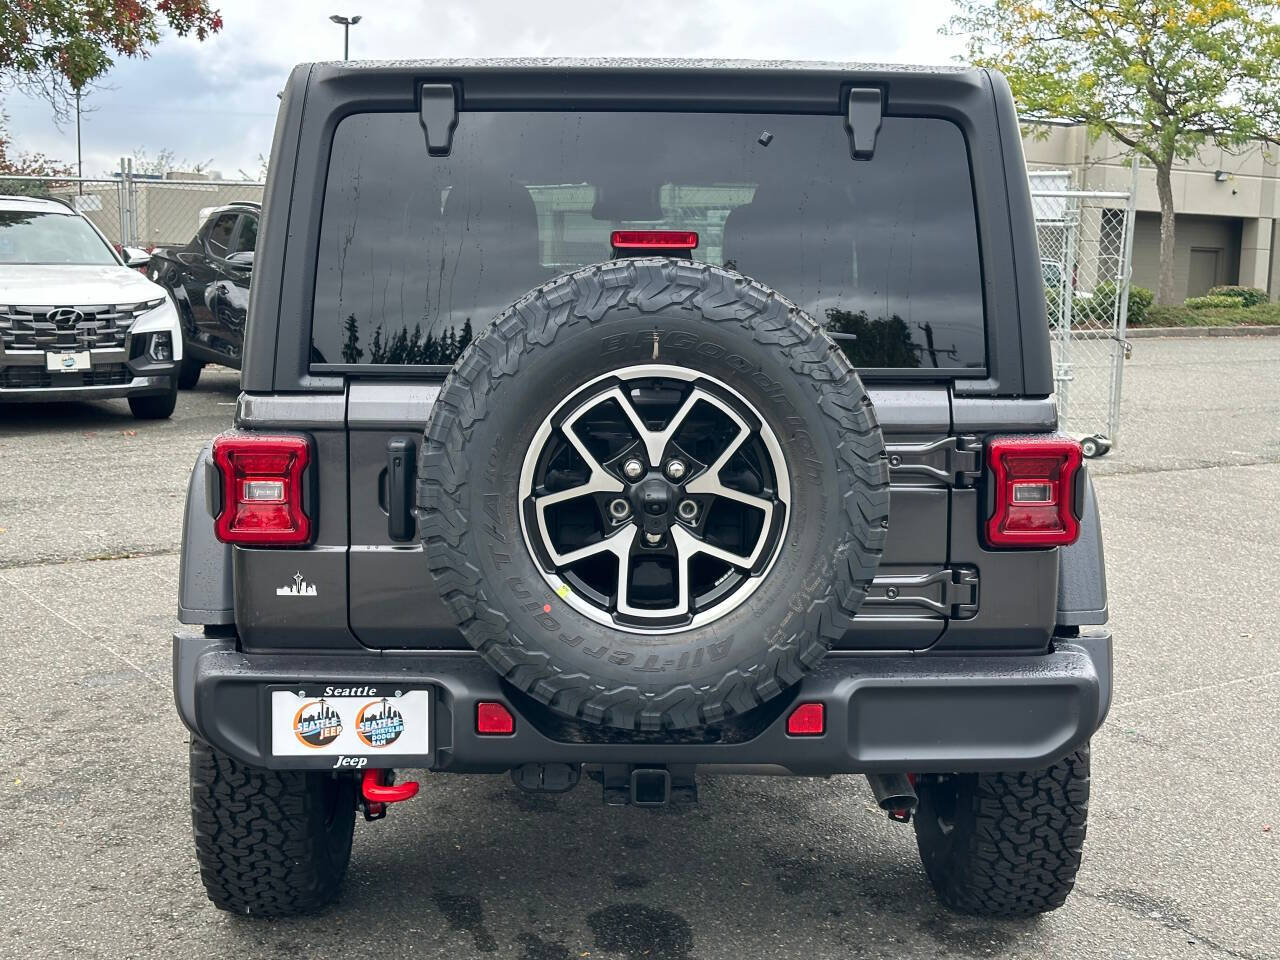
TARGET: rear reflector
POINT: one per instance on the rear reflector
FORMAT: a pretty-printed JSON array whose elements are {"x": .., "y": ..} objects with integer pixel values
[
  {"x": 262, "y": 486},
  {"x": 493, "y": 719},
  {"x": 654, "y": 239},
  {"x": 1033, "y": 482},
  {"x": 807, "y": 720}
]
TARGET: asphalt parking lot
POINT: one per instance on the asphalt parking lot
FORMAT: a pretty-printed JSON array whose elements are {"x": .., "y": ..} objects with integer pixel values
[{"x": 1183, "y": 854}]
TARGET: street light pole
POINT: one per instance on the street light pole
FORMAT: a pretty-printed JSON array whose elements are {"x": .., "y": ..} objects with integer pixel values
[{"x": 346, "y": 23}]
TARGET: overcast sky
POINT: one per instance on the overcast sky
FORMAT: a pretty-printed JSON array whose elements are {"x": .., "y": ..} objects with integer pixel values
[{"x": 217, "y": 100}]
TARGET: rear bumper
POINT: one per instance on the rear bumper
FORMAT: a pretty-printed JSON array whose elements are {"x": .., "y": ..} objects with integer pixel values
[{"x": 921, "y": 714}]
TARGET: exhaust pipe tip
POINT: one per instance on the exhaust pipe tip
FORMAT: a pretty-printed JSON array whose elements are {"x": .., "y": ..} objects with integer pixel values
[{"x": 894, "y": 794}]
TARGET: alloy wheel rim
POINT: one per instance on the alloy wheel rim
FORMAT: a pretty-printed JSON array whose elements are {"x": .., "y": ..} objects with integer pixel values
[{"x": 706, "y": 515}]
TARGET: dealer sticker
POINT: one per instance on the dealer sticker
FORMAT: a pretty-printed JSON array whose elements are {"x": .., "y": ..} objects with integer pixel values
[{"x": 369, "y": 724}]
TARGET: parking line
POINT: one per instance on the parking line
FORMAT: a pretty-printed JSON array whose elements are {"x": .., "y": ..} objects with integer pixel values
[
  {"x": 82, "y": 631},
  {"x": 1208, "y": 686}
]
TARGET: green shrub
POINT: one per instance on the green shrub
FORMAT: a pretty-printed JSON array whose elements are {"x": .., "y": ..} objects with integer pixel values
[
  {"x": 1265, "y": 314},
  {"x": 1213, "y": 302},
  {"x": 1140, "y": 301},
  {"x": 1248, "y": 296},
  {"x": 1098, "y": 310}
]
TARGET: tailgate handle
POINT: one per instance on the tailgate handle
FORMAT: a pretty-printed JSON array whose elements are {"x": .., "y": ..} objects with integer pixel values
[{"x": 400, "y": 489}]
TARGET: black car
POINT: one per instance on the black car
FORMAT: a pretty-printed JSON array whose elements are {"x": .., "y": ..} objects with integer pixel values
[
  {"x": 749, "y": 464},
  {"x": 209, "y": 281}
]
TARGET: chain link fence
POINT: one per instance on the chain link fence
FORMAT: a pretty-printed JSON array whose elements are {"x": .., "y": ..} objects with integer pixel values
[
  {"x": 139, "y": 211},
  {"x": 1086, "y": 253}
]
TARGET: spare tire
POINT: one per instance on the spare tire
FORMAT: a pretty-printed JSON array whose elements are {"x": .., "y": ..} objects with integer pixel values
[{"x": 653, "y": 493}]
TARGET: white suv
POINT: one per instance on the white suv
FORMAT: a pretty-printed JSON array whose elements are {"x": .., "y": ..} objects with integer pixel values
[{"x": 77, "y": 322}]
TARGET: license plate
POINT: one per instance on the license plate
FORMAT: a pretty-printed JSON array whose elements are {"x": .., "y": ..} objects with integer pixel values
[
  {"x": 369, "y": 725},
  {"x": 67, "y": 362}
]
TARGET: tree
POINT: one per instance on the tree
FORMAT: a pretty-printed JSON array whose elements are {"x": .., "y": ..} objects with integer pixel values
[
  {"x": 1162, "y": 77},
  {"x": 883, "y": 342},
  {"x": 351, "y": 350},
  {"x": 165, "y": 161},
  {"x": 56, "y": 47},
  {"x": 259, "y": 174}
]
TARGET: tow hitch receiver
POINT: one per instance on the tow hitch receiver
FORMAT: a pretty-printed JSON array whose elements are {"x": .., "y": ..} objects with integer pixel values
[
  {"x": 378, "y": 789},
  {"x": 651, "y": 786}
]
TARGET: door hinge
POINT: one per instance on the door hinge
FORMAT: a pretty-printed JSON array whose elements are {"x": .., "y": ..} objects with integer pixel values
[
  {"x": 950, "y": 592},
  {"x": 438, "y": 115},
  {"x": 955, "y": 461}
]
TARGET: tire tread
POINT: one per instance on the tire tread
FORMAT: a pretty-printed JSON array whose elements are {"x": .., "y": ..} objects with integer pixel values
[
  {"x": 256, "y": 837},
  {"x": 1017, "y": 843}
]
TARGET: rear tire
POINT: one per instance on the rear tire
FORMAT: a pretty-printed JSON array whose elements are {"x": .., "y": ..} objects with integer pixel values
[
  {"x": 189, "y": 373},
  {"x": 158, "y": 406},
  {"x": 1004, "y": 844},
  {"x": 270, "y": 843}
]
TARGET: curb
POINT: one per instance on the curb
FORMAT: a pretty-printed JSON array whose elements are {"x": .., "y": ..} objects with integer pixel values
[{"x": 1143, "y": 333}]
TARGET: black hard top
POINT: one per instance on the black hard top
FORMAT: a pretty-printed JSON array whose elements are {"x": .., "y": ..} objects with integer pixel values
[{"x": 318, "y": 96}]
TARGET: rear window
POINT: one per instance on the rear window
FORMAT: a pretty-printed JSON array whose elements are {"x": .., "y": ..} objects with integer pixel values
[{"x": 417, "y": 252}]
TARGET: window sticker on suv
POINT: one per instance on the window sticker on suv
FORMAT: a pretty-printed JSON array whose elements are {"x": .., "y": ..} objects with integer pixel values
[{"x": 417, "y": 252}]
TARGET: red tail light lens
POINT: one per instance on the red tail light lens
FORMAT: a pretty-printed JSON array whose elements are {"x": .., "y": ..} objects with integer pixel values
[
  {"x": 1034, "y": 484},
  {"x": 262, "y": 486},
  {"x": 654, "y": 239}
]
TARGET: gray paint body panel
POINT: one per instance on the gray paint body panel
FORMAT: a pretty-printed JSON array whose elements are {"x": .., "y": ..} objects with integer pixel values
[
  {"x": 380, "y": 590},
  {"x": 912, "y": 409},
  {"x": 391, "y": 406},
  {"x": 1004, "y": 414}
]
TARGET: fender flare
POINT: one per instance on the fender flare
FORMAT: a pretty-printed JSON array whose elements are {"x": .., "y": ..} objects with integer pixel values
[
  {"x": 205, "y": 594},
  {"x": 1082, "y": 574}
]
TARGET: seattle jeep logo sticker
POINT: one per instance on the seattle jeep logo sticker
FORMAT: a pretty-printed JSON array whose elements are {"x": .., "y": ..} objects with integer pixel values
[
  {"x": 379, "y": 724},
  {"x": 317, "y": 724}
]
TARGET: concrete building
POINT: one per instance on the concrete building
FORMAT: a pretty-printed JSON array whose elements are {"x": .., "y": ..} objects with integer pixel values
[{"x": 1227, "y": 204}]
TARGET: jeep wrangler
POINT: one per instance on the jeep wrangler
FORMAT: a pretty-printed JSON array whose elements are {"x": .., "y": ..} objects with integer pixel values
[{"x": 636, "y": 418}]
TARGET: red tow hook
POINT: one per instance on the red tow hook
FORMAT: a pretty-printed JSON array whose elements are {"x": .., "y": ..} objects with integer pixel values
[{"x": 378, "y": 790}]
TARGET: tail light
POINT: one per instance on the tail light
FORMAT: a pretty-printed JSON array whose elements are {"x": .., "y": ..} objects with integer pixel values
[
  {"x": 1033, "y": 482},
  {"x": 654, "y": 239},
  {"x": 262, "y": 489}
]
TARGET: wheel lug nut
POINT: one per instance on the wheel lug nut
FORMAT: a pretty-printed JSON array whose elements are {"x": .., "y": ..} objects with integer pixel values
[
  {"x": 653, "y": 538},
  {"x": 675, "y": 469},
  {"x": 688, "y": 509},
  {"x": 632, "y": 469},
  {"x": 619, "y": 509}
]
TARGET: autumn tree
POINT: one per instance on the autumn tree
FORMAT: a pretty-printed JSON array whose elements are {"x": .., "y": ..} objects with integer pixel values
[
  {"x": 1163, "y": 78},
  {"x": 56, "y": 47}
]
